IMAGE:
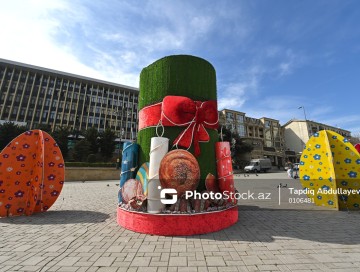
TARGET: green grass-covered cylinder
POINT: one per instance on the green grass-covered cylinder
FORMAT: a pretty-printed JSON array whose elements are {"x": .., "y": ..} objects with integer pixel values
[{"x": 180, "y": 75}]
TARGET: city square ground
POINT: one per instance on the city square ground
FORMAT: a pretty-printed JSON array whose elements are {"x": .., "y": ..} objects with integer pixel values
[{"x": 80, "y": 233}]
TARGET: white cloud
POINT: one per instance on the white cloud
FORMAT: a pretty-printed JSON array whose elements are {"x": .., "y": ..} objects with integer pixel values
[
  {"x": 289, "y": 61},
  {"x": 93, "y": 40},
  {"x": 201, "y": 24},
  {"x": 30, "y": 38},
  {"x": 230, "y": 103},
  {"x": 235, "y": 95},
  {"x": 29, "y": 31}
]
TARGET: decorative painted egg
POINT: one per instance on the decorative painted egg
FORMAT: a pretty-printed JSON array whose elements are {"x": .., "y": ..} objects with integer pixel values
[
  {"x": 329, "y": 166},
  {"x": 131, "y": 189},
  {"x": 32, "y": 172}
]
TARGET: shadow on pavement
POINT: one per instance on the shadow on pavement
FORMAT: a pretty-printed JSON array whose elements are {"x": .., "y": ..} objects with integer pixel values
[
  {"x": 267, "y": 225},
  {"x": 58, "y": 217}
]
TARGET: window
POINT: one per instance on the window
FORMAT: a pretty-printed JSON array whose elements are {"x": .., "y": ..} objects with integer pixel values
[
  {"x": 229, "y": 115},
  {"x": 15, "y": 110},
  {"x": 241, "y": 130},
  {"x": 18, "y": 97},
  {"x": 240, "y": 118}
]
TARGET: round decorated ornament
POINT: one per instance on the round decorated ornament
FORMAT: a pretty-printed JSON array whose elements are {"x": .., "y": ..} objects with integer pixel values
[
  {"x": 31, "y": 174},
  {"x": 211, "y": 183},
  {"x": 179, "y": 170},
  {"x": 131, "y": 189},
  {"x": 142, "y": 176}
]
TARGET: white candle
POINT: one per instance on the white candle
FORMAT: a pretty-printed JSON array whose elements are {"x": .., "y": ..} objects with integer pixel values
[{"x": 158, "y": 149}]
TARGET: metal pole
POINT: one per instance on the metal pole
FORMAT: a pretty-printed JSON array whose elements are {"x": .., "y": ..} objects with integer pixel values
[{"x": 303, "y": 110}]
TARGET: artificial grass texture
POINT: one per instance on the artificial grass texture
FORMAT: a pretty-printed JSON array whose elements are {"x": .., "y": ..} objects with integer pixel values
[{"x": 181, "y": 75}]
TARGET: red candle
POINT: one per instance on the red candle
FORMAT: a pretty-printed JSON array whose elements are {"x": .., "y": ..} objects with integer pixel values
[{"x": 224, "y": 170}]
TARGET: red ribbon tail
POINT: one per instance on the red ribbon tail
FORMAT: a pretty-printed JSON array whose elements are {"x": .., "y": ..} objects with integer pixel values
[
  {"x": 186, "y": 137},
  {"x": 197, "y": 151}
]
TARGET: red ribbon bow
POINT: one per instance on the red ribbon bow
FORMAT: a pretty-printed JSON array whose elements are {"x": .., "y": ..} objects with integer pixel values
[{"x": 181, "y": 111}]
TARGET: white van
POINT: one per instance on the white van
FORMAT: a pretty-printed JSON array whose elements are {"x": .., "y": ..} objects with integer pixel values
[{"x": 258, "y": 165}]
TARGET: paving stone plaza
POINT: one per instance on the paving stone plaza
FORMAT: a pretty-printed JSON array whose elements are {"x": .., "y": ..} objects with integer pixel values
[{"x": 80, "y": 233}]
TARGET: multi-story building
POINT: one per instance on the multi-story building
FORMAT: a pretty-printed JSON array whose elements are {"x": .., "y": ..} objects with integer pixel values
[
  {"x": 264, "y": 134},
  {"x": 233, "y": 120},
  {"x": 298, "y": 132},
  {"x": 33, "y": 96},
  {"x": 273, "y": 140}
]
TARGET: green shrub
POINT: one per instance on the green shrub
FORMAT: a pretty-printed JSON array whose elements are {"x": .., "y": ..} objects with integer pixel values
[{"x": 91, "y": 158}]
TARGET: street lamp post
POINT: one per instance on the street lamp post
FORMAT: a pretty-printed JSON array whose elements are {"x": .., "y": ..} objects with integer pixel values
[{"x": 302, "y": 107}]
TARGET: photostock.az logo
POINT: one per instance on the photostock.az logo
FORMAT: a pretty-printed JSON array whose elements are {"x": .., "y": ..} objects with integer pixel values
[{"x": 168, "y": 191}]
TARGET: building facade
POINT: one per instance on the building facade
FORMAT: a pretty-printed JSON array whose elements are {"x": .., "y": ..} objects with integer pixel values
[
  {"x": 264, "y": 134},
  {"x": 36, "y": 96},
  {"x": 298, "y": 132}
]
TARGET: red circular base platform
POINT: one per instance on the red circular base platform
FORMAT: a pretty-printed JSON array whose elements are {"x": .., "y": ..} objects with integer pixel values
[{"x": 177, "y": 224}]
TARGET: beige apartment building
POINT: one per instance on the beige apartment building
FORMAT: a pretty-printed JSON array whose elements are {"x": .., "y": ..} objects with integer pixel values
[
  {"x": 264, "y": 134},
  {"x": 298, "y": 132}
]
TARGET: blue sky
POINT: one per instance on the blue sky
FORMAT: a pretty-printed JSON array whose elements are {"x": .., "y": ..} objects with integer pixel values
[{"x": 271, "y": 57}]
